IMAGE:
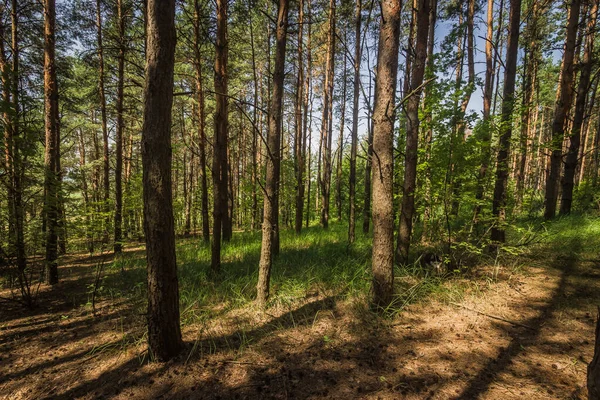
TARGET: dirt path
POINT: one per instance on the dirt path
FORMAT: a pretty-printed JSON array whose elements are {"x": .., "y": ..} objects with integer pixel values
[{"x": 321, "y": 347}]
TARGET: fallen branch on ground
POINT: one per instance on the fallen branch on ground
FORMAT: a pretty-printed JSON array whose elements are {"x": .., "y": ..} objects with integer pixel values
[{"x": 493, "y": 316}]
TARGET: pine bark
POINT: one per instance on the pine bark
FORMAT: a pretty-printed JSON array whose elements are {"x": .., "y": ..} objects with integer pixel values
[
  {"x": 273, "y": 145},
  {"x": 201, "y": 125},
  {"x": 383, "y": 158},
  {"x": 52, "y": 153},
  {"x": 325, "y": 183},
  {"x": 118, "y": 247},
  {"x": 354, "y": 133},
  {"x": 585, "y": 67},
  {"x": 563, "y": 105},
  {"x": 508, "y": 103},
  {"x": 220, "y": 170},
  {"x": 164, "y": 334},
  {"x": 412, "y": 99},
  {"x": 300, "y": 137}
]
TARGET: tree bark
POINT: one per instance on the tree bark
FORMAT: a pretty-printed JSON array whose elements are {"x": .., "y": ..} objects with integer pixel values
[
  {"x": 508, "y": 103},
  {"x": 300, "y": 138},
  {"x": 383, "y": 158},
  {"x": 354, "y": 134},
  {"x": 164, "y": 334},
  {"x": 326, "y": 119},
  {"x": 273, "y": 144},
  {"x": 219, "y": 172},
  {"x": 579, "y": 116},
  {"x": 412, "y": 99},
  {"x": 119, "y": 130},
  {"x": 563, "y": 105},
  {"x": 104, "y": 124},
  {"x": 52, "y": 153}
]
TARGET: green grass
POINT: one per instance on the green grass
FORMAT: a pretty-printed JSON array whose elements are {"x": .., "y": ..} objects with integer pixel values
[{"x": 320, "y": 262}]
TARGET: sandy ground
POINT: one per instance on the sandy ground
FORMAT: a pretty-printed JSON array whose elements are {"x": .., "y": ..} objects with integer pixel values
[{"x": 320, "y": 347}]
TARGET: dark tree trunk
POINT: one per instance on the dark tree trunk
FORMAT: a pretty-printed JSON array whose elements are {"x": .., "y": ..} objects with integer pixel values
[
  {"x": 164, "y": 334},
  {"x": 412, "y": 99},
  {"x": 52, "y": 154},
  {"x": 563, "y": 105},
  {"x": 273, "y": 144},
  {"x": 119, "y": 130},
  {"x": 355, "y": 111},
  {"x": 101, "y": 92},
  {"x": 219, "y": 172},
  {"x": 201, "y": 124},
  {"x": 383, "y": 157},
  {"x": 508, "y": 103},
  {"x": 580, "y": 105}
]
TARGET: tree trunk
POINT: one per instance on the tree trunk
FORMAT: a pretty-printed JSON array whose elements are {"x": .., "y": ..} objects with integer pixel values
[
  {"x": 508, "y": 103},
  {"x": 340, "y": 158},
  {"x": 412, "y": 99},
  {"x": 326, "y": 119},
  {"x": 219, "y": 172},
  {"x": 299, "y": 139},
  {"x": 563, "y": 105},
  {"x": 119, "y": 130},
  {"x": 201, "y": 125},
  {"x": 383, "y": 157},
  {"x": 164, "y": 334},
  {"x": 52, "y": 154},
  {"x": 273, "y": 144},
  {"x": 580, "y": 105},
  {"x": 355, "y": 111},
  {"x": 101, "y": 92}
]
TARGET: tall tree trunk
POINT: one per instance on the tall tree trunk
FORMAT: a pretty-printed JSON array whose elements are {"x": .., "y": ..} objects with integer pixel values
[
  {"x": 51, "y": 122},
  {"x": 119, "y": 130},
  {"x": 255, "y": 133},
  {"x": 580, "y": 105},
  {"x": 101, "y": 92},
  {"x": 299, "y": 139},
  {"x": 383, "y": 160},
  {"x": 354, "y": 134},
  {"x": 412, "y": 99},
  {"x": 340, "y": 158},
  {"x": 219, "y": 171},
  {"x": 201, "y": 124},
  {"x": 326, "y": 119},
  {"x": 563, "y": 105},
  {"x": 273, "y": 144},
  {"x": 164, "y": 333},
  {"x": 487, "y": 106},
  {"x": 368, "y": 167},
  {"x": 508, "y": 103}
]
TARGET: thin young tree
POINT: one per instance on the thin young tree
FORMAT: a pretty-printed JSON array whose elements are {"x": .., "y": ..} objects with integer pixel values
[
  {"x": 52, "y": 153},
  {"x": 383, "y": 157},
  {"x": 273, "y": 144},
  {"x": 508, "y": 104},
  {"x": 354, "y": 134},
  {"x": 300, "y": 137},
  {"x": 164, "y": 332},
  {"x": 562, "y": 108},
  {"x": 412, "y": 99}
]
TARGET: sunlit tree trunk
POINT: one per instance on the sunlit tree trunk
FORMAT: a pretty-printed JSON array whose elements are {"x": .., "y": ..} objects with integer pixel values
[
  {"x": 563, "y": 105},
  {"x": 508, "y": 103},
  {"x": 119, "y": 130},
  {"x": 412, "y": 99},
  {"x": 383, "y": 160},
  {"x": 354, "y": 134},
  {"x": 273, "y": 144}
]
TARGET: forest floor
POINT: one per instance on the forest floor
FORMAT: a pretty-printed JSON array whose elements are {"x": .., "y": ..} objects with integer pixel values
[{"x": 318, "y": 339}]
